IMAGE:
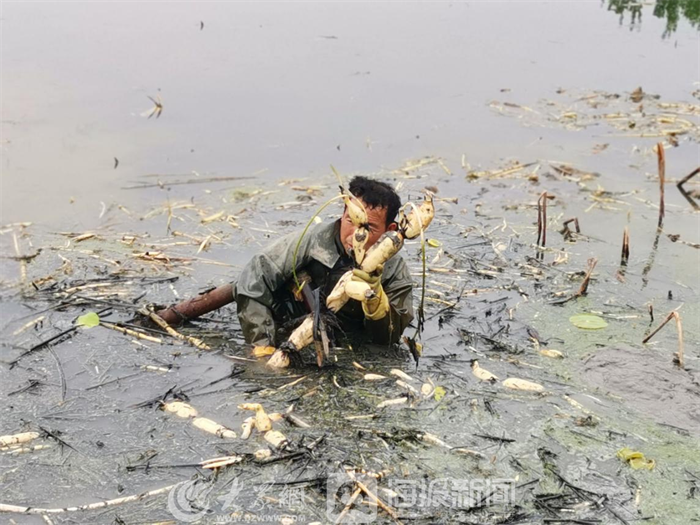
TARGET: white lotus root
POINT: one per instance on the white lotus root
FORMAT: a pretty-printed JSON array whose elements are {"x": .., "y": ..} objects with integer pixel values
[{"x": 411, "y": 224}]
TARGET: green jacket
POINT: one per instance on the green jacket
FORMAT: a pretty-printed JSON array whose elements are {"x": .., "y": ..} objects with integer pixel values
[{"x": 265, "y": 302}]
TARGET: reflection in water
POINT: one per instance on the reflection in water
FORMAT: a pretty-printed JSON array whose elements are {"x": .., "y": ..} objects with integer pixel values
[{"x": 668, "y": 9}]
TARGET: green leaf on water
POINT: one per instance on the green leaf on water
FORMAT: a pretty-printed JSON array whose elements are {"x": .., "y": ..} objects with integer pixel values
[
  {"x": 434, "y": 243},
  {"x": 88, "y": 320},
  {"x": 588, "y": 321},
  {"x": 439, "y": 393}
]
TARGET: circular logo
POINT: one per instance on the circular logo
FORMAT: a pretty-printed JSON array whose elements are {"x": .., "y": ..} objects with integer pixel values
[{"x": 187, "y": 501}]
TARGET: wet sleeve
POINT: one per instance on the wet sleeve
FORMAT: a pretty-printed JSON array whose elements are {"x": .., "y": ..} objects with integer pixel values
[
  {"x": 266, "y": 273},
  {"x": 399, "y": 289}
]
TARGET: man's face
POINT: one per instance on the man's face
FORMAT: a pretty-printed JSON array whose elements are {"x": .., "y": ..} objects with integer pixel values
[{"x": 376, "y": 217}]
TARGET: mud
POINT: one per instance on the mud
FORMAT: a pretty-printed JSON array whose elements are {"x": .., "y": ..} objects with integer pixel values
[{"x": 641, "y": 379}]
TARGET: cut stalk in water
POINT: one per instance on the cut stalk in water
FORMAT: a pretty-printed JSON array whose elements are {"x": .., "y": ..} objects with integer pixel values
[
  {"x": 566, "y": 231},
  {"x": 678, "y": 358},
  {"x": 662, "y": 182},
  {"x": 583, "y": 289},
  {"x": 587, "y": 279},
  {"x": 624, "y": 259},
  {"x": 92, "y": 506},
  {"x": 541, "y": 223},
  {"x": 174, "y": 333},
  {"x": 133, "y": 333},
  {"x": 684, "y": 192},
  {"x": 575, "y": 221}
]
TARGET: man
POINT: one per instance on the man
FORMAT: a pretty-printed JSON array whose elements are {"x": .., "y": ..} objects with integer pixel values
[{"x": 264, "y": 292}]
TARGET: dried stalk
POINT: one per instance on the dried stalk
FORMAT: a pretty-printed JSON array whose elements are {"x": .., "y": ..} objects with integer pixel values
[
  {"x": 575, "y": 221},
  {"x": 583, "y": 290},
  {"x": 587, "y": 279},
  {"x": 542, "y": 220},
  {"x": 28, "y": 325},
  {"x": 349, "y": 505},
  {"x": 685, "y": 193},
  {"x": 375, "y": 499},
  {"x": 624, "y": 259},
  {"x": 165, "y": 326},
  {"x": 662, "y": 182},
  {"x": 679, "y": 327},
  {"x": 92, "y": 506},
  {"x": 130, "y": 332}
]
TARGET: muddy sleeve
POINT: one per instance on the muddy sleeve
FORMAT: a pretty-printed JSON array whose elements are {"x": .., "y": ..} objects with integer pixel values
[
  {"x": 399, "y": 289},
  {"x": 266, "y": 273}
]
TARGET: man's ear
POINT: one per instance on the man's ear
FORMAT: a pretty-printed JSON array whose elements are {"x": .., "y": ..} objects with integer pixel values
[{"x": 392, "y": 227}]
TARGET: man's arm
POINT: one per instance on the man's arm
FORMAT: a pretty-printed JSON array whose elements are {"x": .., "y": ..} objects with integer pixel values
[
  {"x": 399, "y": 289},
  {"x": 264, "y": 274}
]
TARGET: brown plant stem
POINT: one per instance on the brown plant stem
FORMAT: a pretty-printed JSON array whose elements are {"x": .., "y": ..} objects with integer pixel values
[
  {"x": 679, "y": 327},
  {"x": 92, "y": 506},
  {"x": 542, "y": 220},
  {"x": 684, "y": 192},
  {"x": 583, "y": 290},
  {"x": 624, "y": 259},
  {"x": 375, "y": 499},
  {"x": 177, "y": 335},
  {"x": 662, "y": 182},
  {"x": 130, "y": 332}
]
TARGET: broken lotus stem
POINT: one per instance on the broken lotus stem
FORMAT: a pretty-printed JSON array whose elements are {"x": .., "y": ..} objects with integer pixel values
[
  {"x": 624, "y": 259},
  {"x": 662, "y": 182},
  {"x": 678, "y": 358},
  {"x": 177, "y": 335},
  {"x": 587, "y": 279}
]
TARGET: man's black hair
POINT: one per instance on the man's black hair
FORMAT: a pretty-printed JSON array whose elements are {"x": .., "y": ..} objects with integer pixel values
[{"x": 376, "y": 194}]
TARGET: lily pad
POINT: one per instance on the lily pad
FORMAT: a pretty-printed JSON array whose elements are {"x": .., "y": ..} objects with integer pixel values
[
  {"x": 89, "y": 320},
  {"x": 588, "y": 321}
]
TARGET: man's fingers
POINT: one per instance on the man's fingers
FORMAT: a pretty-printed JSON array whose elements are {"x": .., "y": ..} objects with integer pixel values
[{"x": 370, "y": 279}]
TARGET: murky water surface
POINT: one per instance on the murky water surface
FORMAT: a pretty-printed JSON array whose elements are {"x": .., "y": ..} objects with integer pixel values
[{"x": 126, "y": 209}]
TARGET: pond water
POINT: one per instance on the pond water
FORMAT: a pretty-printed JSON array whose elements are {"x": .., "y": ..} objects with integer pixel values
[{"x": 441, "y": 94}]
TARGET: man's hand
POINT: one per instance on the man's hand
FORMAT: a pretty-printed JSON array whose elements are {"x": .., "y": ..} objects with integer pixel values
[{"x": 378, "y": 306}]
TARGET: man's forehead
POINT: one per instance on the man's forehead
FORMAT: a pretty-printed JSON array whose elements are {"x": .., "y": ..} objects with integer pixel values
[{"x": 375, "y": 214}]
